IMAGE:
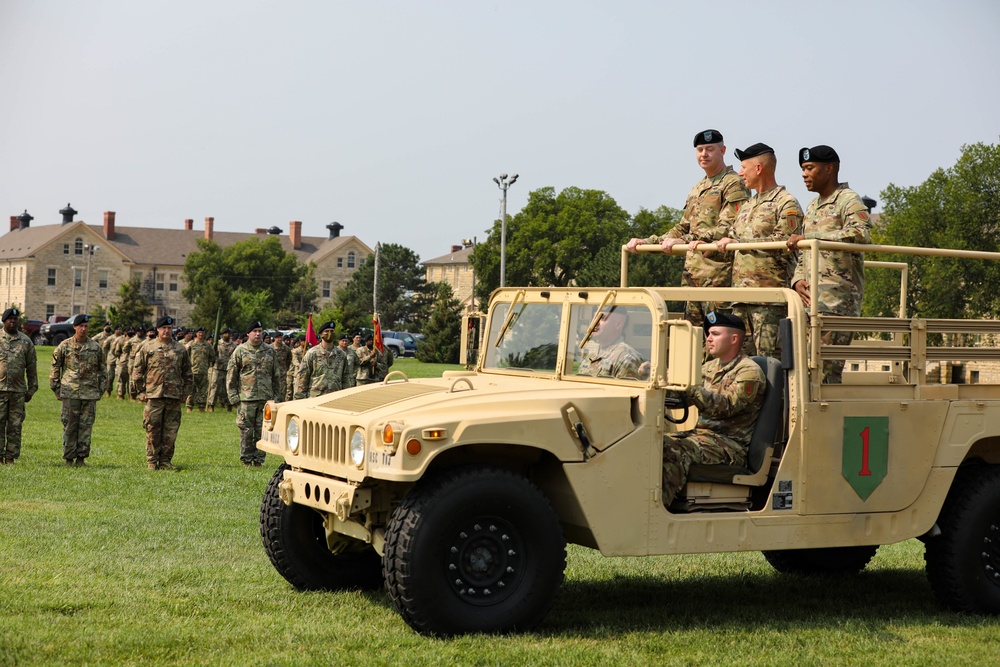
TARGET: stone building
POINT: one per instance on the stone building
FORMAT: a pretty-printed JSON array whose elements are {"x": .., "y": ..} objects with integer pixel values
[
  {"x": 64, "y": 269},
  {"x": 455, "y": 269}
]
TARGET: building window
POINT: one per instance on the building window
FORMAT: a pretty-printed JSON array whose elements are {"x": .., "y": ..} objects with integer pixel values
[
  {"x": 77, "y": 278},
  {"x": 77, "y": 309},
  {"x": 326, "y": 289},
  {"x": 361, "y": 262},
  {"x": 50, "y": 310},
  {"x": 102, "y": 280},
  {"x": 52, "y": 278},
  {"x": 159, "y": 282},
  {"x": 78, "y": 247},
  {"x": 65, "y": 248},
  {"x": 340, "y": 262},
  {"x": 350, "y": 260},
  {"x": 173, "y": 282}
]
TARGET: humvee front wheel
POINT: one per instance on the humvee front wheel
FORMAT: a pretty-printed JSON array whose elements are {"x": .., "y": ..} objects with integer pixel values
[
  {"x": 295, "y": 541},
  {"x": 829, "y": 560},
  {"x": 963, "y": 562},
  {"x": 477, "y": 549}
]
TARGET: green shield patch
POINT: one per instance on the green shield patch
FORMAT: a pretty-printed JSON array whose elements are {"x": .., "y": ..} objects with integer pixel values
[{"x": 866, "y": 453}]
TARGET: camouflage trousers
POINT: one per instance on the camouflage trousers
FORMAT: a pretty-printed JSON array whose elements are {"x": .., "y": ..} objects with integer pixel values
[
  {"x": 682, "y": 450},
  {"x": 78, "y": 415},
  {"x": 833, "y": 369},
  {"x": 112, "y": 374},
  {"x": 11, "y": 419},
  {"x": 250, "y": 420},
  {"x": 289, "y": 384},
  {"x": 162, "y": 419},
  {"x": 199, "y": 390},
  {"x": 123, "y": 381},
  {"x": 217, "y": 388},
  {"x": 762, "y": 328}
]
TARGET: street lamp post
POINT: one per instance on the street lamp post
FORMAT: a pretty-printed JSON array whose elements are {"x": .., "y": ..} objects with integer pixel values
[
  {"x": 503, "y": 183},
  {"x": 467, "y": 243},
  {"x": 90, "y": 248}
]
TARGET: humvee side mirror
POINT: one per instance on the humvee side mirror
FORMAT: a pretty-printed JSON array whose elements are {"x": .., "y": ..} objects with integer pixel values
[{"x": 684, "y": 355}]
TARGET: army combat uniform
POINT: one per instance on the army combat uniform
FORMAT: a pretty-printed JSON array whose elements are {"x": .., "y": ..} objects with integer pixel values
[
  {"x": 369, "y": 362},
  {"x": 217, "y": 392},
  {"x": 728, "y": 403},
  {"x": 298, "y": 352},
  {"x": 321, "y": 372},
  {"x": 283, "y": 354},
  {"x": 252, "y": 378},
  {"x": 124, "y": 353},
  {"x": 618, "y": 360},
  {"x": 840, "y": 217},
  {"x": 709, "y": 212},
  {"x": 773, "y": 215},
  {"x": 162, "y": 379},
  {"x": 202, "y": 359},
  {"x": 78, "y": 377},
  {"x": 17, "y": 360},
  {"x": 111, "y": 354}
]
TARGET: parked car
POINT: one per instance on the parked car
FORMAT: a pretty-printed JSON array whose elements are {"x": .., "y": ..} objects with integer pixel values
[
  {"x": 410, "y": 341},
  {"x": 53, "y": 332},
  {"x": 30, "y": 329}
]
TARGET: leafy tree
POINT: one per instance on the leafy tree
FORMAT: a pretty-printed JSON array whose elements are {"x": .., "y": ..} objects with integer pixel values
[
  {"x": 131, "y": 307},
  {"x": 958, "y": 207},
  {"x": 302, "y": 298},
  {"x": 643, "y": 270},
  {"x": 401, "y": 278},
  {"x": 443, "y": 329}
]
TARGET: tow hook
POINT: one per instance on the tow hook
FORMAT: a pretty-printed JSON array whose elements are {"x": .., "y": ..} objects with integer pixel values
[{"x": 286, "y": 492}]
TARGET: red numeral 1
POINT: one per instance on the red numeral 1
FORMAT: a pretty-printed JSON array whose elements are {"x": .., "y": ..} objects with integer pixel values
[{"x": 865, "y": 472}]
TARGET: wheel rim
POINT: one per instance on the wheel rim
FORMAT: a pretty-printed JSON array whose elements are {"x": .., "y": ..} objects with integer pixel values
[
  {"x": 991, "y": 552},
  {"x": 485, "y": 561}
]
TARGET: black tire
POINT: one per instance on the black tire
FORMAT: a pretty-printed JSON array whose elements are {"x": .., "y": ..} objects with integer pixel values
[
  {"x": 295, "y": 542},
  {"x": 477, "y": 549},
  {"x": 828, "y": 560},
  {"x": 58, "y": 338},
  {"x": 963, "y": 562}
]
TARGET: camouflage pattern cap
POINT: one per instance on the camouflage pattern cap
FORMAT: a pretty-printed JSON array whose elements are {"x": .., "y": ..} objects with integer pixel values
[
  {"x": 819, "y": 153},
  {"x": 715, "y": 319},
  {"x": 752, "y": 151},
  {"x": 707, "y": 137}
]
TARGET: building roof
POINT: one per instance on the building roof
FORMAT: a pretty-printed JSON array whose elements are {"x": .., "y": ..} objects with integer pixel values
[{"x": 456, "y": 257}]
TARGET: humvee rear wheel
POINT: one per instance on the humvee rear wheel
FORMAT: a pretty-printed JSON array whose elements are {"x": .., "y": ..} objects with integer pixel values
[
  {"x": 476, "y": 549},
  {"x": 829, "y": 560},
  {"x": 963, "y": 562},
  {"x": 295, "y": 541}
]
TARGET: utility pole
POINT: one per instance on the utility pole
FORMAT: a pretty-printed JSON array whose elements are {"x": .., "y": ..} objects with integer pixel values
[{"x": 503, "y": 183}]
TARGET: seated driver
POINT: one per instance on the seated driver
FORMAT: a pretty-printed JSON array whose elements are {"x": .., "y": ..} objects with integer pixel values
[
  {"x": 613, "y": 357},
  {"x": 728, "y": 404}
]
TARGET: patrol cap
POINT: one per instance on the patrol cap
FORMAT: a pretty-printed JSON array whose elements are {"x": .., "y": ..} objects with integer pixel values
[
  {"x": 327, "y": 325},
  {"x": 715, "y": 319},
  {"x": 82, "y": 318},
  {"x": 10, "y": 312},
  {"x": 707, "y": 137},
  {"x": 819, "y": 153},
  {"x": 255, "y": 324},
  {"x": 752, "y": 151},
  {"x": 165, "y": 321}
]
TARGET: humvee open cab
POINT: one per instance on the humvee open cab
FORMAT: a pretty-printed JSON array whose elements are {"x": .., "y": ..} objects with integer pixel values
[{"x": 459, "y": 493}]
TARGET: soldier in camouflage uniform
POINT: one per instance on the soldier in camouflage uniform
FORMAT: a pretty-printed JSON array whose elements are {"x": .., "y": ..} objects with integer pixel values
[
  {"x": 283, "y": 353},
  {"x": 369, "y": 360},
  {"x": 607, "y": 354},
  {"x": 162, "y": 379},
  {"x": 323, "y": 368},
  {"x": 252, "y": 378},
  {"x": 772, "y": 214},
  {"x": 78, "y": 379},
  {"x": 728, "y": 404},
  {"x": 141, "y": 341},
  {"x": 102, "y": 336},
  {"x": 17, "y": 362},
  {"x": 709, "y": 211},
  {"x": 217, "y": 391},
  {"x": 202, "y": 360},
  {"x": 122, "y": 349},
  {"x": 344, "y": 343},
  {"x": 298, "y": 351},
  {"x": 837, "y": 214},
  {"x": 108, "y": 345}
]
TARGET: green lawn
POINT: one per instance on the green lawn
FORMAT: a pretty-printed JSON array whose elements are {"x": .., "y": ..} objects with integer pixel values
[{"x": 115, "y": 564}]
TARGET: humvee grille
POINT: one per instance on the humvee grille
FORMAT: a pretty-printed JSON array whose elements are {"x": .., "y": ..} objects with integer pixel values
[
  {"x": 324, "y": 442},
  {"x": 363, "y": 401}
]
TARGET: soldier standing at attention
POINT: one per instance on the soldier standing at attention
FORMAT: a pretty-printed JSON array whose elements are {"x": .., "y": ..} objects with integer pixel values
[
  {"x": 252, "y": 379},
  {"x": 728, "y": 404},
  {"x": 709, "y": 211},
  {"x": 19, "y": 361},
  {"x": 323, "y": 368},
  {"x": 143, "y": 338},
  {"x": 202, "y": 359},
  {"x": 837, "y": 214},
  {"x": 283, "y": 354},
  {"x": 772, "y": 214},
  {"x": 298, "y": 351},
  {"x": 102, "y": 335},
  {"x": 369, "y": 362},
  {"x": 125, "y": 348},
  {"x": 162, "y": 379},
  {"x": 344, "y": 343},
  {"x": 108, "y": 345},
  {"x": 217, "y": 378},
  {"x": 78, "y": 379}
]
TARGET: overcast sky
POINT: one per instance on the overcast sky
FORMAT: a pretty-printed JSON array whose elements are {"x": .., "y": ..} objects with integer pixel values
[{"x": 393, "y": 117}]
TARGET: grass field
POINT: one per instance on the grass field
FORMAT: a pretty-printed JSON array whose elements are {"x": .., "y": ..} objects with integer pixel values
[{"x": 115, "y": 564}]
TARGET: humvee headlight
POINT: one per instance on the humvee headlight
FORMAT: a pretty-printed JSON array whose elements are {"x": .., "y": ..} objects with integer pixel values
[
  {"x": 292, "y": 435},
  {"x": 358, "y": 447}
]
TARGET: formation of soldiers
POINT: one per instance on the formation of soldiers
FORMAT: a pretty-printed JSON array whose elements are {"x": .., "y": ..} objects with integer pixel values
[{"x": 164, "y": 368}]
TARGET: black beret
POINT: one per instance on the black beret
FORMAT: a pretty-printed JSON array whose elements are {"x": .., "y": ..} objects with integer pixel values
[
  {"x": 819, "y": 153},
  {"x": 199, "y": 329},
  {"x": 752, "y": 151},
  {"x": 254, "y": 325},
  {"x": 326, "y": 325},
  {"x": 165, "y": 321},
  {"x": 82, "y": 318},
  {"x": 344, "y": 336},
  {"x": 707, "y": 137},
  {"x": 715, "y": 319},
  {"x": 10, "y": 312}
]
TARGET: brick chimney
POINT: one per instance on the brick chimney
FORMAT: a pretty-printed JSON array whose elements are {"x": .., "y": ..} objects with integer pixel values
[
  {"x": 295, "y": 234},
  {"x": 188, "y": 225},
  {"x": 209, "y": 228},
  {"x": 14, "y": 223},
  {"x": 456, "y": 248},
  {"x": 109, "y": 225},
  {"x": 260, "y": 230}
]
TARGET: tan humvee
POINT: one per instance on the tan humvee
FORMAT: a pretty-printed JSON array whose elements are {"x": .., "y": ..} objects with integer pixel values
[{"x": 459, "y": 493}]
